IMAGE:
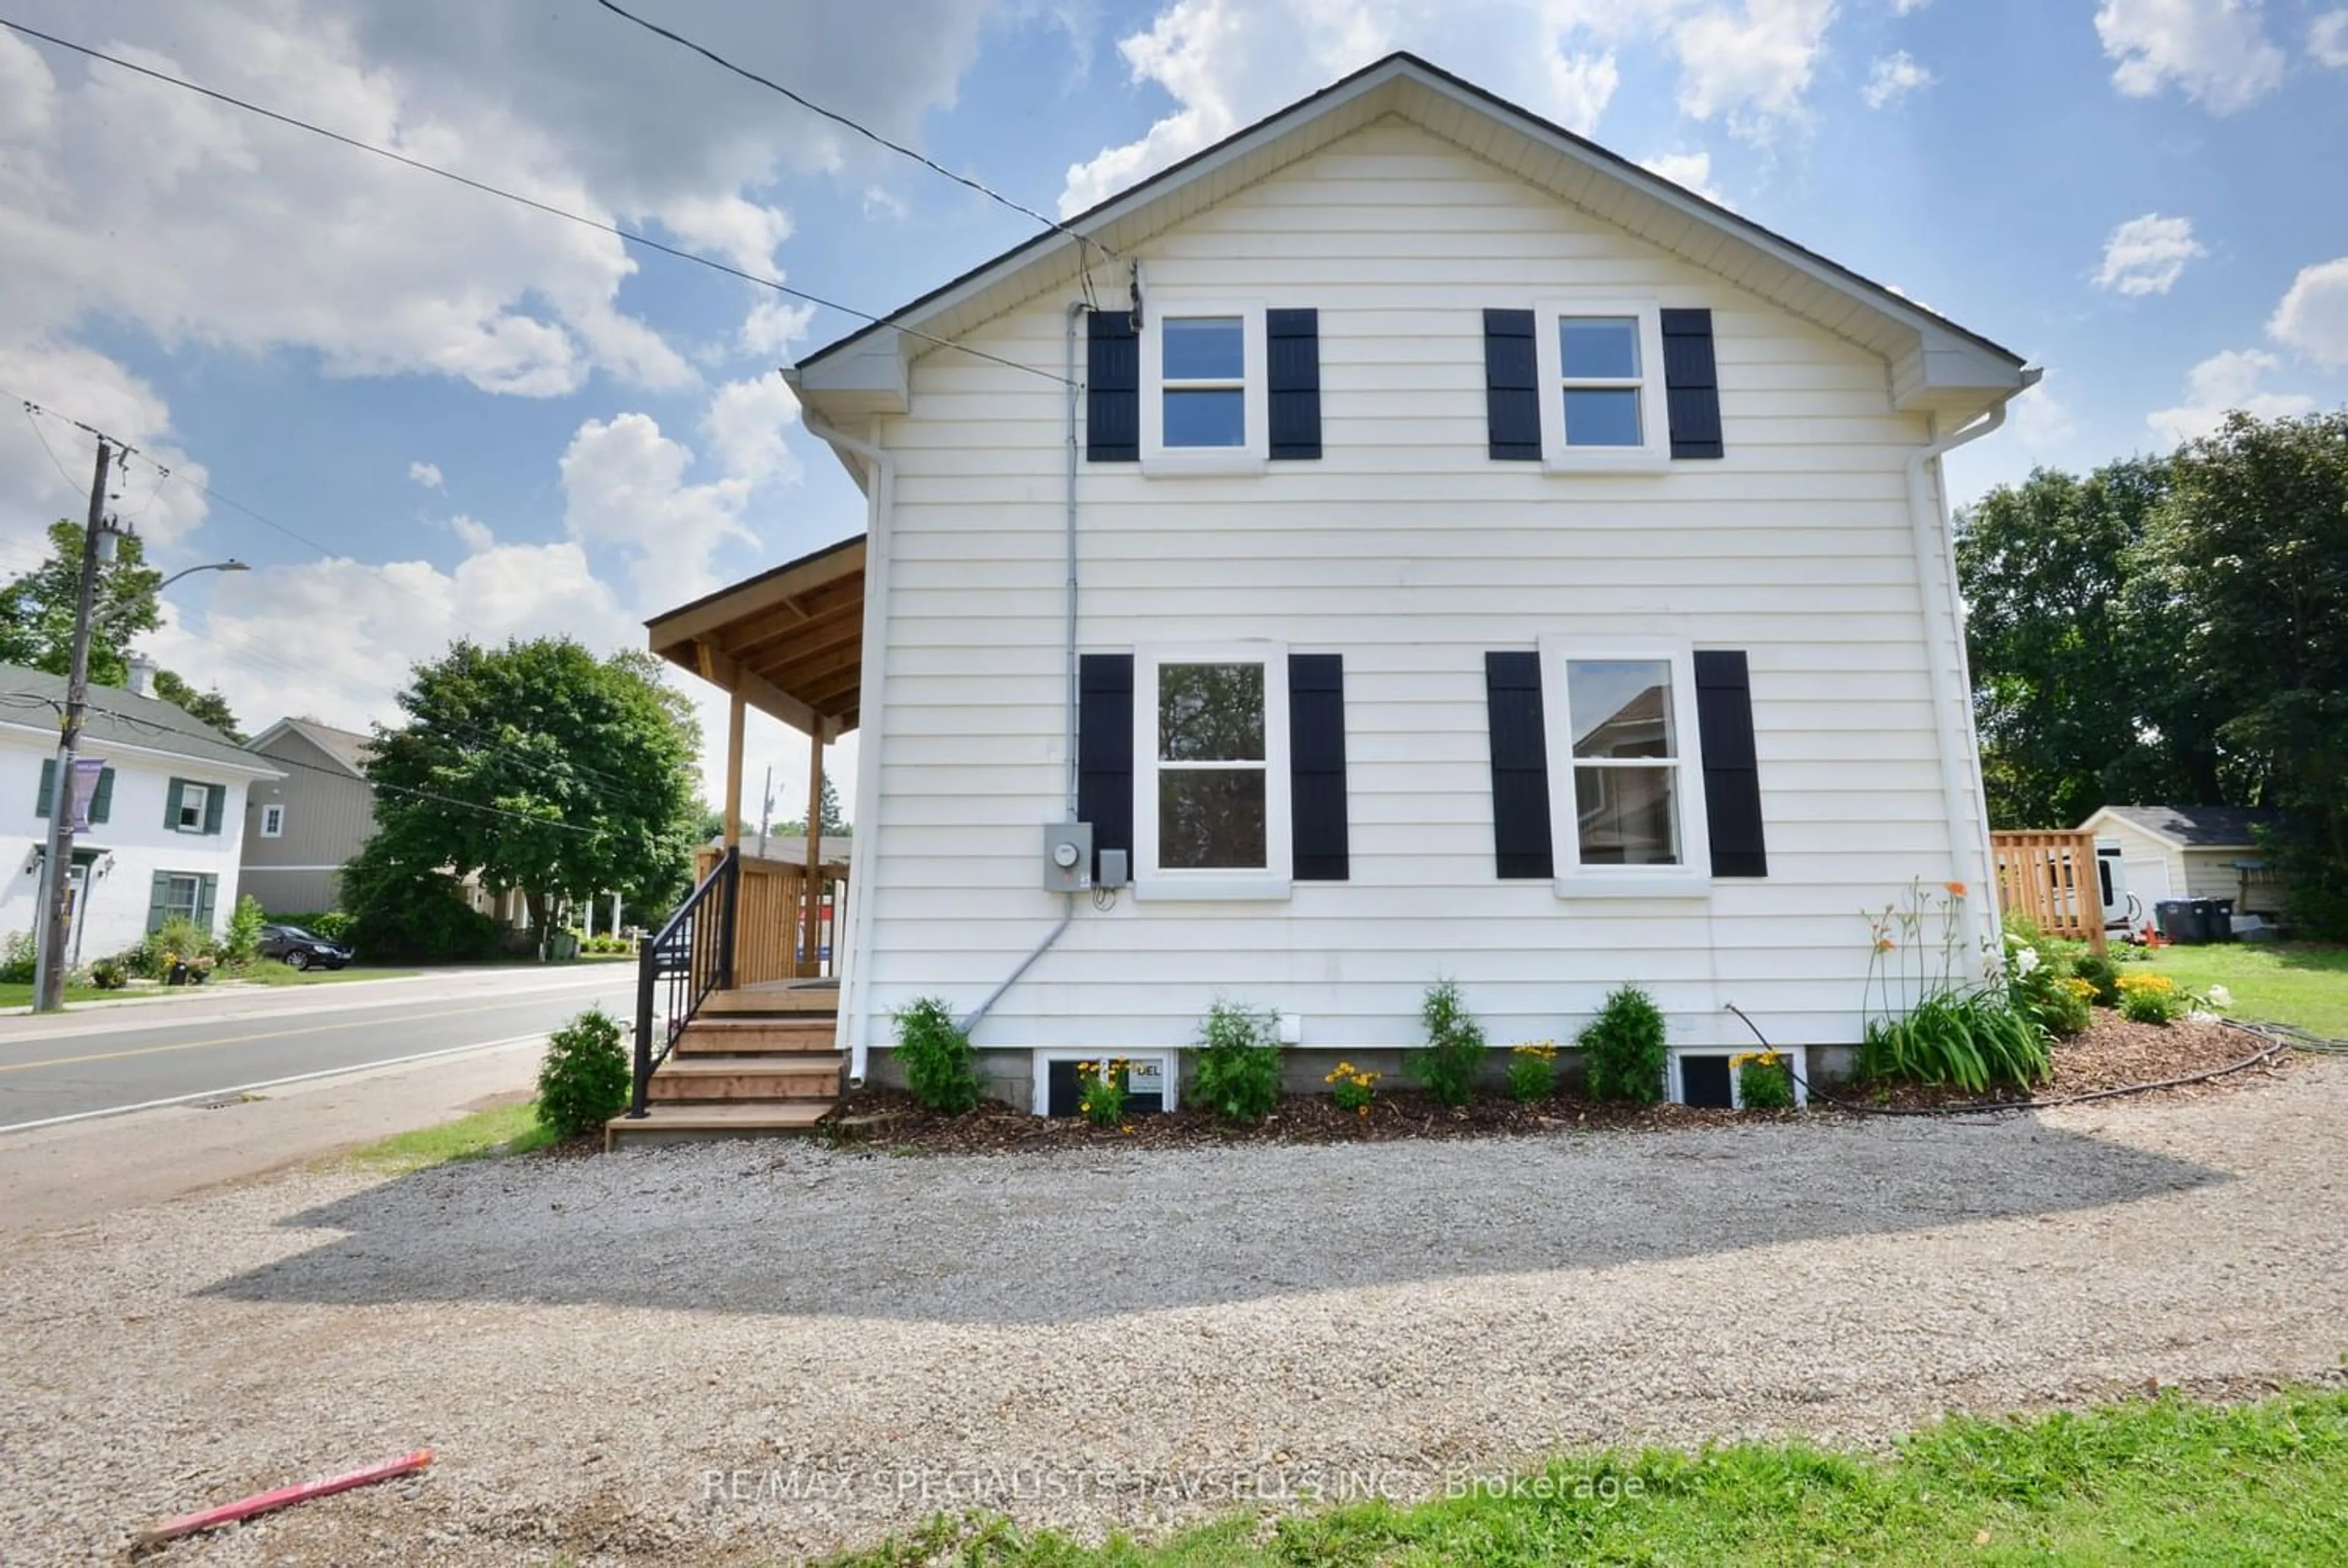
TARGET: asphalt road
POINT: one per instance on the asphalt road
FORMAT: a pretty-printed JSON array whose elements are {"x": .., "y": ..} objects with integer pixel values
[{"x": 113, "y": 1059}]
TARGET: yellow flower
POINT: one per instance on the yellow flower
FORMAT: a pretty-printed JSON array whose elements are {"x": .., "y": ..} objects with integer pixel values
[{"x": 1362, "y": 1110}]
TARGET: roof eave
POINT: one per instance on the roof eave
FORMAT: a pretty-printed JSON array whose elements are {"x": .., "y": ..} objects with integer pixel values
[{"x": 1943, "y": 367}]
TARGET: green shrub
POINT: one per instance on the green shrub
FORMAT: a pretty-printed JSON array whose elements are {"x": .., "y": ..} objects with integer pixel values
[
  {"x": 2152, "y": 999},
  {"x": 181, "y": 939},
  {"x": 109, "y": 975},
  {"x": 1532, "y": 1071},
  {"x": 1448, "y": 1064},
  {"x": 1969, "y": 1038},
  {"x": 401, "y": 911},
  {"x": 2042, "y": 980},
  {"x": 1764, "y": 1081},
  {"x": 1353, "y": 1088},
  {"x": 586, "y": 1076},
  {"x": 1624, "y": 1050},
  {"x": 2099, "y": 971},
  {"x": 940, "y": 1069},
  {"x": 1237, "y": 1070},
  {"x": 19, "y": 960},
  {"x": 242, "y": 939}
]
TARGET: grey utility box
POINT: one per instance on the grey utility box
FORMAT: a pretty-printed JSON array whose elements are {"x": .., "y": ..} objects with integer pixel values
[
  {"x": 1113, "y": 868},
  {"x": 1067, "y": 856}
]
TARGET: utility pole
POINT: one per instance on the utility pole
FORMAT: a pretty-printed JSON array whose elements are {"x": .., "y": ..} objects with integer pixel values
[
  {"x": 765, "y": 807},
  {"x": 49, "y": 987}
]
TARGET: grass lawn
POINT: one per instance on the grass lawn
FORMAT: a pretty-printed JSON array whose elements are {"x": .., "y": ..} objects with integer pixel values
[
  {"x": 2271, "y": 982},
  {"x": 21, "y": 995},
  {"x": 2165, "y": 1481},
  {"x": 268, "y": 973},
  {"x": 500, "y": 1130}
]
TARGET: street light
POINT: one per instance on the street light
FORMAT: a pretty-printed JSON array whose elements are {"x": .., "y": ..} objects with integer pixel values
[{"x": 98, "y": 547}]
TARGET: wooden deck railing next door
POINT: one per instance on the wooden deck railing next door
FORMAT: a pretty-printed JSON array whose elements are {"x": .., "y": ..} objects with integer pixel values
[{"x": 2050, "y": 880}]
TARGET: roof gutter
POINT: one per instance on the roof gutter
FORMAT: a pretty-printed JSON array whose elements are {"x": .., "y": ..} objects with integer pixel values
[
  {"x": 881, "y": 495},
  {"x": 1952, "y": 680}
]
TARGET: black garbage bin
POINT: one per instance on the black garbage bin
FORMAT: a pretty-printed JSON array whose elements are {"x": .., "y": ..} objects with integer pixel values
[
  {"x": 2178, "y": 923},
  {"x": 2217, "y": 917}
]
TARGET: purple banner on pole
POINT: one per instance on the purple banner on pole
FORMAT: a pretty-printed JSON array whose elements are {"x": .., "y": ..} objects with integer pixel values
[{"x": 85, "y": 789}]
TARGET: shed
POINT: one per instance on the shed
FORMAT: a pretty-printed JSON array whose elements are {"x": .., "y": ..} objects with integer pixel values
[{"x": 2192, "y": 852}]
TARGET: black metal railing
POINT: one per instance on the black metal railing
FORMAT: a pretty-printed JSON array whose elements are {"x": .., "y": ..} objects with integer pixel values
[{"x": 692, "y": 956}]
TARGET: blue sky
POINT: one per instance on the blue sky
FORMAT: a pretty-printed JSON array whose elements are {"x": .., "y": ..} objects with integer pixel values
[{"x": 481, "y": 418}]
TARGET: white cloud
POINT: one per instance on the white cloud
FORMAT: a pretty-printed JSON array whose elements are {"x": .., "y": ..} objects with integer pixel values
[
  {"x": 745, "y": 427},
  {"x": 2221, "y": 383},
  {"x": 624, "y": 486},
  {"x": 476, "y": 535},
  {"x": 879, "y": 202},
  {"x": 79, "y": 383},
  {"x": 1892, "y": 77},
  {"x": 2313, "y": 315},
  {"x": 773, "y": 323},
  {"x": 2327, "y": 39},
  {"x": 427, "y": 475},
  {"x": 1581, "y": 86},
  {"x": 1751, "y": 66},
  {"x": 2147, "y": 255},
  {"x": 1692, "y": 170},
  {"x": 1747, "y": 64},
  {"x": 1908, "y": 7},
  {"x": 2215, "y": 51}
]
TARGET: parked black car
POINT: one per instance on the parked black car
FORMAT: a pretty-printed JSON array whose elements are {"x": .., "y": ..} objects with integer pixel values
[{"x": 301, "y": 949}]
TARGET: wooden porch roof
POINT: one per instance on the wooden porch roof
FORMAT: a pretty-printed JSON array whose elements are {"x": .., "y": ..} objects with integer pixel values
[{"x": 790, "y": 641}]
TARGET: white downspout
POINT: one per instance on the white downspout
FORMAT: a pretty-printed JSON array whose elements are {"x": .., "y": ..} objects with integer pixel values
[
  {"x": 1936, "y": 590},
  {"x": 879, "y": 519}
]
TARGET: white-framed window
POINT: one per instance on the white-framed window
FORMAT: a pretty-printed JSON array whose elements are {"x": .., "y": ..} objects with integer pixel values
[
  {"x": 273, "y": 822},
  {"x": 1676, "y": 1076},
  {"x": 1601, "y": 381},
  {"x": 1210, "y": 771},
  {"x": 1204, "y": 406},
  {"x": 181, "y": 894},
  {"x": 1154, "y": 1072},
  {"x": 1625, "y": 776},
  {"x": 194, "y": 800}
]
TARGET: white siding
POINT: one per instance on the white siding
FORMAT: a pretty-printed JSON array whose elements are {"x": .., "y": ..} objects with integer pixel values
[{"x": 1411, "y": 553}]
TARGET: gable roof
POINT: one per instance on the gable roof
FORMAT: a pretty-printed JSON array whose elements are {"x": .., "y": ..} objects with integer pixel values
[
  {"x": 2192, "y": 826},
  {"x": 115, "y": 718},
  {"x": 347, "y": 747},
  {"x": 1936, "y": 362}
]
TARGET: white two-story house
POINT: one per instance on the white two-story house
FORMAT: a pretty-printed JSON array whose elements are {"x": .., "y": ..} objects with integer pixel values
[
  {"x": 165, "y": 807},
  {"x": 1404, "y": 541}
]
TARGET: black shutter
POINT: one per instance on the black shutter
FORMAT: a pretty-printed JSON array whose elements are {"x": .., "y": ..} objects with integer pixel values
[
  {"x": 101, "y": 800},
  {"x": 1113, "y": 389},
  {"x": 1731, "y": 770},
  {"x": 1105, "y": 752},
  {"x": 1317, "y": 766},
  {"x": 1293, "y": 348},
  {"x": 1520, "y": 836},
  {"x": 1513, "y": 386},
  {"x": 1692, "y": 383}
]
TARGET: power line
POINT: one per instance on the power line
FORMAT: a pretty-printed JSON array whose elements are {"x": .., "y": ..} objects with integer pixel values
[
  {"x": 841, "y": 119},
  {"x": 31, "y": 410},
  {"x": 551, "y": 211}
]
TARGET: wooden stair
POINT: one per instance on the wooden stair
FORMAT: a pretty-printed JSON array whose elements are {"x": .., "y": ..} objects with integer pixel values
[{"x": 753, "y": 1062}]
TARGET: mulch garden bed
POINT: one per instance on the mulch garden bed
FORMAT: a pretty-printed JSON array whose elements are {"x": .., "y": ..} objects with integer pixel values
[
  {"x": 892, "y": 1119},
  {"x": 2113, "y": 1053}
]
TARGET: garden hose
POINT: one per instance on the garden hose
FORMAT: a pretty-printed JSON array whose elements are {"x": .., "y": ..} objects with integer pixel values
[{"x": 2278, "y": 1039}]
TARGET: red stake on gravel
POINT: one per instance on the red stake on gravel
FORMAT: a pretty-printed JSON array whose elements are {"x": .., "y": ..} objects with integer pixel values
[{"x": 229, "y": 1512}]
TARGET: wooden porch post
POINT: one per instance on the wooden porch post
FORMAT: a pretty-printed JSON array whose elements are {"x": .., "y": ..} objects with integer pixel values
[
  {"x": 734, "y": 771},
  {"x": 811, "y": 962}
]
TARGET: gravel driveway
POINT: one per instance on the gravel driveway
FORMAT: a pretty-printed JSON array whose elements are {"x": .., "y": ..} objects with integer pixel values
[{"x": 736, "y": 1355}]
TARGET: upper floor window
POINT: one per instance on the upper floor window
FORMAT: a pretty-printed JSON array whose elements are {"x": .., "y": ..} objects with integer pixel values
[
  {"x": 1204, "y": 403},
  {"x": 193, "y": 798},
  {"x": 1202, "y": 379},
  {"x": 1602, "y": 385},
  {"x": 273, "y": 822}
]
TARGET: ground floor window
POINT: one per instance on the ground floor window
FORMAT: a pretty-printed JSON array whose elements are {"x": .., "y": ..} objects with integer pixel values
[
  {"x": 1703, "y": 1078},
  {"x": 1150, "y": 1087}
]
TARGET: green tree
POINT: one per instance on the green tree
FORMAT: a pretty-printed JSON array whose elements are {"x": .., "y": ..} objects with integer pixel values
[
  {"x": 542, "y": 768},
  {"x": 37, "y": 621},
  {"x": 2070, "y": 690},
  {"x": 2251, "y": 553}
]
